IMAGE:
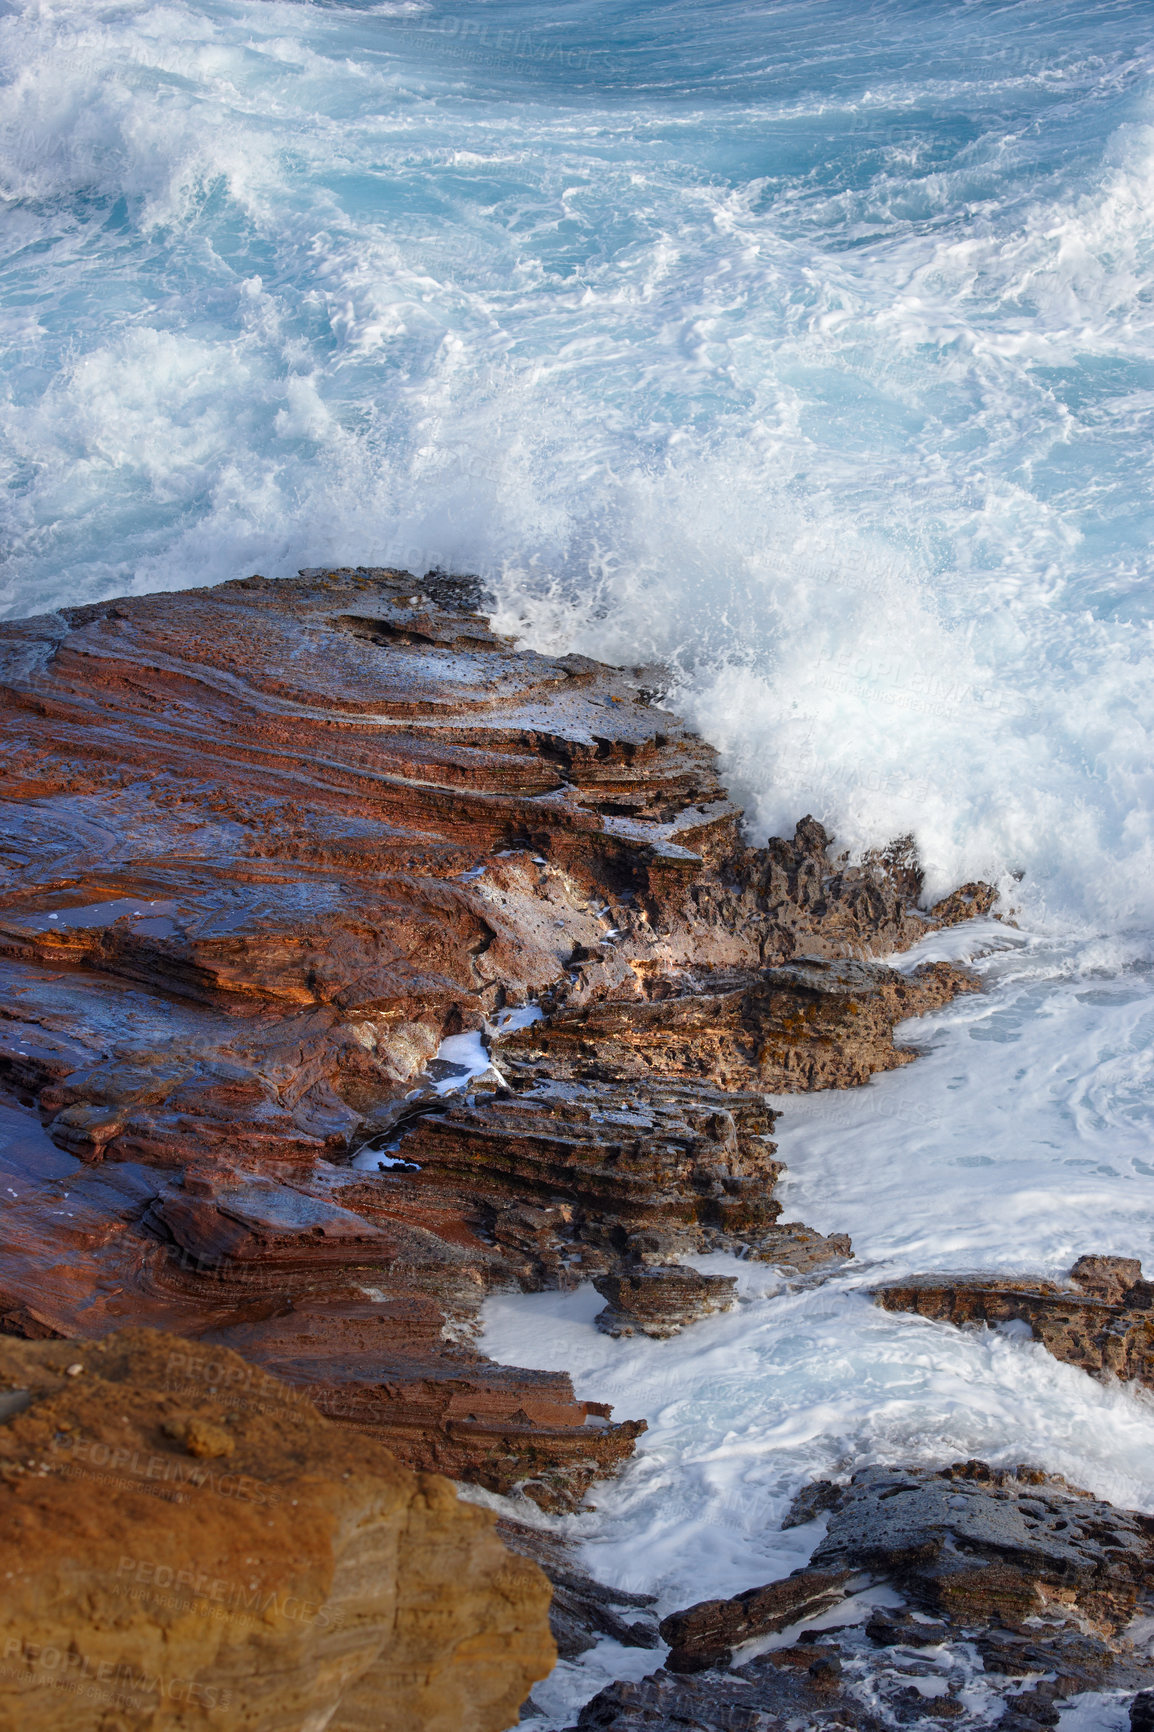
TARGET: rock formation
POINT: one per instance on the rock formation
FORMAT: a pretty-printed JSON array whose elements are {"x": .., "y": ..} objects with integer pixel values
[
  {"x": 705, "y": 1635},
  {"x": 268, "y": 845},
  {"x": 1102, "y": 1321},
  {"x": 183, "y": 1541},
  {"x": 1039, "y": 1578},
  {"x": 583, "y": 1610}
]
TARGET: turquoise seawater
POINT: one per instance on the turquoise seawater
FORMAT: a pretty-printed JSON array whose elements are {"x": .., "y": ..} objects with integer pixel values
[{"x": 810, "y": 346}]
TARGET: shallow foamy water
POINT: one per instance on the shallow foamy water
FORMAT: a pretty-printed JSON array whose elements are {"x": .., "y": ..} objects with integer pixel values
[{"x": 1019, "y": 1139}]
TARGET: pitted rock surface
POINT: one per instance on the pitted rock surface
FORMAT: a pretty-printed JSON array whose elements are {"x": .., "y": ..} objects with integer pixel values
[
  {"x": 766, "y": 1696},
  {"x": 1038, "y": 1578},
  {"x": 976, "y": 1544},
  {"x": 1102, "y": 1320},
  {"x": 185, "y": 1542},
  {"x": 660, "y": 1300},
  {"x": 809, "y": 1024}
]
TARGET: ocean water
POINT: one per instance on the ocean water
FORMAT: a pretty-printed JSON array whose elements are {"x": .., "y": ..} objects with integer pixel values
[
  {"x": 808, "y": 346},
  {"x": 1018, "y": 1140}
]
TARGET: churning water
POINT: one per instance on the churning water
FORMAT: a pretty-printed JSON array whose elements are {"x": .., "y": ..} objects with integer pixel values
[{"x": 808, "y": 346}]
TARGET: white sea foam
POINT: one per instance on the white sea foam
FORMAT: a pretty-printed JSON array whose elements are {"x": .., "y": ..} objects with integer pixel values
[
  {"x": 822, "y": 368},
  {"x": 1020, "y": 1139}
]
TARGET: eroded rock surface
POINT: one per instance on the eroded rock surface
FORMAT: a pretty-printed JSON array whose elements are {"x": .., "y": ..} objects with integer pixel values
[
  {"x": 658, "y": 1300},
  {"x": 809, "y": 1024},
  {"x": 1039, "y": 1579},
  {"x": 1102, "y": 1320},
  {"x": 266, "y": 845},
  {"x": 705, "y": 1635},
  {"x": 183, "y": 1541}
]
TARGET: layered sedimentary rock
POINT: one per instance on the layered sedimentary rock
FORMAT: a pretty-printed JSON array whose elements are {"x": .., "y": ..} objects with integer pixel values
[
  {"x": 660, "y": 1300},
  {"x": 1040, "y": 1578},
  {"x": 266, "y": 845},
  {"x": 706, "y": 1634},
  {"x": 185, "y": 1542},
  {"x": 810, "y": 1024},
  {"x": 1103, "y": 1320}
]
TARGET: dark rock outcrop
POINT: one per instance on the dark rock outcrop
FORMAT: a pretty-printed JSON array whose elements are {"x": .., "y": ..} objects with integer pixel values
[
  {"x": 981, "y": 1546},
  {"x": 1041, "y": 1578},
  {"x": 583, "y": 1610},
  {"x": 659, "y": 1300},
  {"x": 1102, "y": 1321},
  {"x": 794, "y": 1687},
  {"x": 705, "y": 1635}
]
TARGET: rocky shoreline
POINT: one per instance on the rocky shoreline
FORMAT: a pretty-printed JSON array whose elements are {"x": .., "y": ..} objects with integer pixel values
[{"x": 358, "y": 966}]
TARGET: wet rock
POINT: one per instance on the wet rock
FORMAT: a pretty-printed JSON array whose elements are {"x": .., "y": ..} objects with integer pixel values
[
  {"x": 979, "y": 1545},
  {"x": 1040, "y": 1578},
  {"x": 267, "y": 845},
  {"x": 812, "y": 1501},
  {"x": 1102, "y": 1321},
  {"x": 808, "y": 1024},
  {"x": 769, "y": 1695},
  {"x": 706, "y": 1634},
  {"x": 660, "y": 1301},
  {"x": 583, "y": 1610},
  {"x": 605, "y": 1163},
  {"x": 890, "y": 1629},
  {"x": 1142, "y": 1712}
]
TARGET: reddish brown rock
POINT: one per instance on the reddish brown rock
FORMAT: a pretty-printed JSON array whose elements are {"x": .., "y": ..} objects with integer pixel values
[
  {"x": 330, "y": 820},
  {"x": 660, "y": 1300},
  {"x": 810, "y": 1024},
  {"x": 1103, "y": 1322},
  {"x": 563, "y": 1177},
  {"x": 267, "y": 845}
]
